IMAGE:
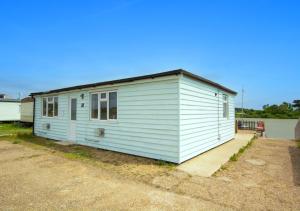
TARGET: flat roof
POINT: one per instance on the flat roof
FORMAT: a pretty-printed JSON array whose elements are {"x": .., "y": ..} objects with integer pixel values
[
  {"x": 10, "y": 100},
  {"x": 131, "y": 79},
  {"x": 27, "y": 99}
]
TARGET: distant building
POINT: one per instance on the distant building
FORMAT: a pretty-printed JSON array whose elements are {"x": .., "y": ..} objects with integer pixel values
[
  {"x": 9, "y": 109},
  {"x": 27, "y": 109},
  {"x": 3, "y": 96}
]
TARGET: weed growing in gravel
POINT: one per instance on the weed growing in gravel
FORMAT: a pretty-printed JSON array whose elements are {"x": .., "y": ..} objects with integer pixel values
[
  {"x": 16, "y": 142},
  {"x": 77, "y": 155},
  {"x": 235, "y": 156},
  {"x": 298, "y": 143},
  {"x": 166, "y": 164}
]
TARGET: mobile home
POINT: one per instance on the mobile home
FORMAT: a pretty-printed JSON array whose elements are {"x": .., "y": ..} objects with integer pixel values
[
  {"x": 27, "y": 110},
  {"x": 9, "y": 110},
  {"x": 171, "y": 116}
]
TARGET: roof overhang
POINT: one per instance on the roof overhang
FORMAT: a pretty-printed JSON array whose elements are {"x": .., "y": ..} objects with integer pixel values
[{"x": 126, "y": 80}]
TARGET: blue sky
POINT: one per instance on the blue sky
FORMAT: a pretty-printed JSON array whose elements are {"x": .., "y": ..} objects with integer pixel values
[{"x": 251, "y": 44}]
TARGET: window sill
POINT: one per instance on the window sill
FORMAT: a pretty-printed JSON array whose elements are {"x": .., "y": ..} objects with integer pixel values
[
  {"x": 111, "y": 121},
  {"x": 48, "y": 117}
]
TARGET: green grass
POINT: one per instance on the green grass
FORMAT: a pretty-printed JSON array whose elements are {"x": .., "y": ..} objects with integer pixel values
[
  {"x": 13, "y": 129},
  {"x": 236, "y": 156},
  {"x": 298, "y": 143},
  {"x": 16, "y": 142},
  {"x": 71, "y": 152},
  {"x": 77, "y": 155},
  {"x": 166, "y": 164}
]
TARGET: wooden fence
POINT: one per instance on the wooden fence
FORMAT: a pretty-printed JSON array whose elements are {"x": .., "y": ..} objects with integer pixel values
[{"x": 246, "y": 125}]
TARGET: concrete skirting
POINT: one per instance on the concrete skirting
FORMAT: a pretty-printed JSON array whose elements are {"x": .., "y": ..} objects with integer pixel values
[{"x": 211, "y": 161}]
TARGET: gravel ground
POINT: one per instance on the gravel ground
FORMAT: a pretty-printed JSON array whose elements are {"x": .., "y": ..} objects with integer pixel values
[{"x": 266, "y": 176}]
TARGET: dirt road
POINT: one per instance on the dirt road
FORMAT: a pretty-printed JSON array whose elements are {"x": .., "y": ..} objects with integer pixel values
[{"x": 266, "y": 176}]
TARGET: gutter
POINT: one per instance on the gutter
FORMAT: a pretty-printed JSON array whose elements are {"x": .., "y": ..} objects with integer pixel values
[{"x": 151, "y": 76}]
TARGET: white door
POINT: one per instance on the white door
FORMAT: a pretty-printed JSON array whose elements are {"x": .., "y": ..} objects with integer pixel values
[{"x": 72, "y": 120}]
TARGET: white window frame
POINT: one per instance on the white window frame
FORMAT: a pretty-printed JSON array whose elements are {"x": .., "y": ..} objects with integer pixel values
[
  {"x": 99, "y": 100},
  {"x": 91, "y": 103},
  {"x": 226, "y": 101},
  {"x": 70, "y": 108},
  {"x": 47, "y": 103}
]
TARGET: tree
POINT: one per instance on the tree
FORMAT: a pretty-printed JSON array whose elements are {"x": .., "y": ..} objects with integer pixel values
[
  {"x": 265, "y": 106},
  {"x": 296, "y": 105},
  {"x": 282, "y": 111}
]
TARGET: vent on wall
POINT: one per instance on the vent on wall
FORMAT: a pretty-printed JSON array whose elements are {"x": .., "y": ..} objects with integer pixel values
[
  {"x": 100, "y": 132},
  {"x": 46, "y": 126}
]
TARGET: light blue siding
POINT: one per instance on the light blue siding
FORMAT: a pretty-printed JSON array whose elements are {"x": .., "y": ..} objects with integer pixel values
[
  {"x": 147, "y": 123},
  {"x": 202, "y": 125},
  {"x": 172, "y": 118}
]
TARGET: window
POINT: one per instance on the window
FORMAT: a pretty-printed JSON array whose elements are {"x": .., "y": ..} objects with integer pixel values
[
  {"x": 113, "y": 105},
  {"x": 56, "y": 106},
  {"x": 104, "y": 105},
  {"x": 73, "y": 108},
  {"x": 50, "y": 107},
  {"x": 94, "y": 106},
  {"x": 103, "y": 110},
  {"x": 44, "y": 106},
  {"x": 225, "y": 106}
]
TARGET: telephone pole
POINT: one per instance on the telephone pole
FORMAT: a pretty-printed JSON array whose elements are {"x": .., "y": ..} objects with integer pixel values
[{"x": 242, "y": 101}]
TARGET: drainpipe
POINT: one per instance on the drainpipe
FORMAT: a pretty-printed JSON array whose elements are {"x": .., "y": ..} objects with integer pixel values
[{"x": 33, "y": 116}]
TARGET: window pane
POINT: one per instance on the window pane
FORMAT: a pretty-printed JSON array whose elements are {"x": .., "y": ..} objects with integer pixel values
[
  {"x": 224, "y": 110},
  {"x": 103, "y": 95},
  {"x": 44, "y": 106},
  {"x": 113, "y": 105},
  {"x": 50, "y": 99},
  {"x": 103, "y": 110},
  {"x": 73, "y": 108},
  {"x": 94, "y": 106},
  {"x": 55, "y": 106},
  {"x": 50, "y": 109}
]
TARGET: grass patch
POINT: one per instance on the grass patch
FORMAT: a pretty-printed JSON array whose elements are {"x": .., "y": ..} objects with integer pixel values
[
  {"x": 130, "y": 166},
  {"x": 298, "y": 143},
  {"x": 77, "y": 155},
  {"x": 83, "y": 152},
  {"x": 13, "y": 129},
  {"x": 16, "y": 141},
  {"x": 165, "y": 164},
  {"x": 236, "y": 156},
  {"x": 72, "y": 152}
]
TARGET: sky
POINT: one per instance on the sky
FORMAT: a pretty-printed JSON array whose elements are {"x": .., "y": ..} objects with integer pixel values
[{"x": 253, "y": 45}]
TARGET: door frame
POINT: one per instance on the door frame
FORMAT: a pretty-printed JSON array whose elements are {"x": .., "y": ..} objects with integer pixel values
[{"x": 72, "y": 123}]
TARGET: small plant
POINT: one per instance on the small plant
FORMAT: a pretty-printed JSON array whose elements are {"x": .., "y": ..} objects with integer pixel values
[
  {"x": 166, "y": 164},
  {"x": 298, "y": 143},
  {"x": 77, "y": 155},
  {"x": 234, "y": 157},
  {"x": 24, "y": 135},
  {"x": 16, "y": 142}
]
